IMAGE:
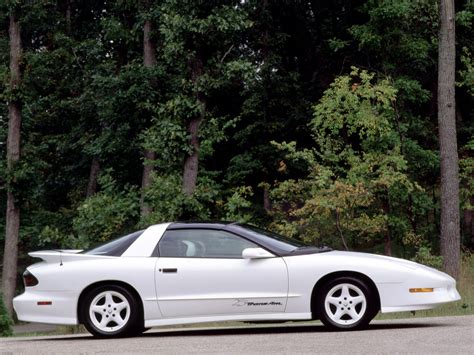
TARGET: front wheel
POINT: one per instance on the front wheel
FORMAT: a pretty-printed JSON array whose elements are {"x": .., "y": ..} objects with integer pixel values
[
  {"x": 346, "y": 303},
  {"x": 111, "y": 311}
]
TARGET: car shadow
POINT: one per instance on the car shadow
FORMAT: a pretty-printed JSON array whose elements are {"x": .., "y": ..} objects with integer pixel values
[
  {"x": 279, "y": 329},
  {"x": 270, "y": 329}
]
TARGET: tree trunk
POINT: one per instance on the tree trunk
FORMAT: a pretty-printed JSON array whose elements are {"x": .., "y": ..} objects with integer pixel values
[
  {"x": 149, "y": 57},
  {"x": 450, "y": 229},
  {"x": 387, "y": 248},
  {"x": 10, "y": 256},
  {"x": 94, "y": 173},
  {"x": 68, "y": 16},
  {"x": 267, "y": 203},
  {"x": 149, "y": 60},
  {"x": 191, "y": 163},
  {"x": 149, "y": 157},
  {"x": 387, "y": 233}
]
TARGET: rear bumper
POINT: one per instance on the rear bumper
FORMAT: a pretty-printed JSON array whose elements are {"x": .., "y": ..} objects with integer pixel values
[{"x": 62, "y": 309}]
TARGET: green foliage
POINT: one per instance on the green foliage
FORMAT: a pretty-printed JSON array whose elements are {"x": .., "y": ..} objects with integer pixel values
[
  {"x": 42, "y": 229},
  {"x": 53, "y": 236},
  {"x": 5, "y": 321},
  {"x": 354, "y": 111},
  {"x": 167, "y": 199},
  {"x": 359, "y": 167},
  {"x": 241, "y": 167},
  {"x": 467, "y": 72},
  {"x": 425, "y": 257},
  {"x": 167, "y": 136},
  {"x": 402, "y": 32},
  {"x": 169, "y": 202},
  {"x": 359, "y": 190},
  {"x": 107, "y": 214},
  {"x": 238, "y": 206},
  {"x": 17, "y": 179},
  {"x": 466, "y": 174}
]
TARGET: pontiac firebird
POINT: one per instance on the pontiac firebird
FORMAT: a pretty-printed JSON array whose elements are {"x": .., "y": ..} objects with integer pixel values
[{"x": 177, "y": 273}]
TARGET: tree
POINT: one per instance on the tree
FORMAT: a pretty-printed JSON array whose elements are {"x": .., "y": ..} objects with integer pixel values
[
  {"x": 5, "y": 320},
  {"x": 12, "y": 228},
  {"x": 149, "y": 61},
  {"x": 357, "y": 186},
  {"x": 228, "y": 77},
  {"x": 202, "y": 46},
  {"x": 191, "y": 162},
  {"x": 450, "y": 228}
]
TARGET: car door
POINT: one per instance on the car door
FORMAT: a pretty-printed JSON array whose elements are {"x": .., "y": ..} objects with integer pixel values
[{"x": 201, "y": 272}]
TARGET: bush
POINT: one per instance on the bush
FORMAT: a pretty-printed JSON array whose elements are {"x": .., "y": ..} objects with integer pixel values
[
  {"x": 424, "y": 256},
  {"x": 107, "y": 214},
  {"x": 5, "y": 320},
  {"x": 168, "y": 202}
]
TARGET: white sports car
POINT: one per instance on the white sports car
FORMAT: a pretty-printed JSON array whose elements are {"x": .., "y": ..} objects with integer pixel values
[{"x": 178, "y": 273}]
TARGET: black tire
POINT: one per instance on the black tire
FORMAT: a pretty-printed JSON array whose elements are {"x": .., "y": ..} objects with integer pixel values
[
  {"x": 131, "y": 319},
  {"x": 353, "y": 312}
]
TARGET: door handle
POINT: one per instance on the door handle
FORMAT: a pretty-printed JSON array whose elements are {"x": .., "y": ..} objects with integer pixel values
[{"x": 168, "y": 270}]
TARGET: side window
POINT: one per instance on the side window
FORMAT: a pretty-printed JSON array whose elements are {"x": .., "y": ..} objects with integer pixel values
[{"x": 202, "y": 243}]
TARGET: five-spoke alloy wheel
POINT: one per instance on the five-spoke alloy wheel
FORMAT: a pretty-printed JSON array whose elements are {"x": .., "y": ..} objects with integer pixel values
[
  {"x": 111, "y": 311},
  {"x": 346, "y": 303}
]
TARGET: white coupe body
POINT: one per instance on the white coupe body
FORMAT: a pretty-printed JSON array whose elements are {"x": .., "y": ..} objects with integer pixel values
[{"x": 178, "y": 273}]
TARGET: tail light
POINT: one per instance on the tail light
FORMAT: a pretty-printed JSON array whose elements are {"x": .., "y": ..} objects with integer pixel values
[{"x": 29, "y": 279}]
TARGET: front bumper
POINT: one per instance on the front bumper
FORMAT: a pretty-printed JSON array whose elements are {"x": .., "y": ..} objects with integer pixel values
[{"x": 397, "y": 297}]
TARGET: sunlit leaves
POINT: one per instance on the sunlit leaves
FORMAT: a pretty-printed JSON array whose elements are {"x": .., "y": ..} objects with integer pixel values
[
  {"x": 355, "y": 110},
  {"x": 359, "y": 175}
]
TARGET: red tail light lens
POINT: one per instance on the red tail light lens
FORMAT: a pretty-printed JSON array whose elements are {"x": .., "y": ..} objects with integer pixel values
[{"x": 29, "y": 279}]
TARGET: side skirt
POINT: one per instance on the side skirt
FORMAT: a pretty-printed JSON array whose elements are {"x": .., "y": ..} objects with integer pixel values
[{"x": 236, "y": 317}]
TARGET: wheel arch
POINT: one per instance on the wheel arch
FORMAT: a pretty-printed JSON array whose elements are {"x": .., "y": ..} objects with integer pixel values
[
  {"x": 129, "y": 287},
  {"x": 326, "y": 278}
]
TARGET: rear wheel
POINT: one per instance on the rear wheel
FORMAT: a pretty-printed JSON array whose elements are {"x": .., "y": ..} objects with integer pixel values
[
  {"x": 346, "y": 303},
  {"x": 111, "y": 311}
]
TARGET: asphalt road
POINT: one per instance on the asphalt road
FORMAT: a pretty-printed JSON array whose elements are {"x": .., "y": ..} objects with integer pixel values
[{"x": 443, "y": 335}]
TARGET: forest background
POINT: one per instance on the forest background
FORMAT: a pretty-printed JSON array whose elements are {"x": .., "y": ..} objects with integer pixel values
[{"x": 316, "y": 119}]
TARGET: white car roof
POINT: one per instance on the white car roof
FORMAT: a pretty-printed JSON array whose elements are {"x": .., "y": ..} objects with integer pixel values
[{"x": 145, "y": 243}]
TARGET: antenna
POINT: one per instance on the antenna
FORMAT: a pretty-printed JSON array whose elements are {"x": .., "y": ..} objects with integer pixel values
[{"x": 60, "y": 251}]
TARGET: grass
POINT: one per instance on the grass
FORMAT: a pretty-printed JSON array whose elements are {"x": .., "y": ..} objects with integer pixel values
[{"x": 56, "y": 330}]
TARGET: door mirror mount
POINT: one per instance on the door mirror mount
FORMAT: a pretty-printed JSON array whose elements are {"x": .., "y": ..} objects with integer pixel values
[{"x": 256, "y": 253}]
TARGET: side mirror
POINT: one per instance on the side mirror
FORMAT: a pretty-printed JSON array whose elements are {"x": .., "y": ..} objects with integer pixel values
[{"x": 256, "y": 253}]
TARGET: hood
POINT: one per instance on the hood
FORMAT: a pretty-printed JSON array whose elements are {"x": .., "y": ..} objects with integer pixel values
[
  {"x": 391, "y": 260},
  {"x": 378, "y": 258}
]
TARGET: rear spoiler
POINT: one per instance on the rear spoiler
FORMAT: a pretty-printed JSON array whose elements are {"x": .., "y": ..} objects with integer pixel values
[{"x": 63, "y": 255}]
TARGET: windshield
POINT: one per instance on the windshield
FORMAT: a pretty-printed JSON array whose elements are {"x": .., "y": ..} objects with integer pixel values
[
  {"x": 273, "y": 239},
  {"x": 115, "y": 247}
]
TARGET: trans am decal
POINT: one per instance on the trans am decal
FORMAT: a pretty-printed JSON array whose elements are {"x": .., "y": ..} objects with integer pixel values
[{"x": 241, "y": 303}]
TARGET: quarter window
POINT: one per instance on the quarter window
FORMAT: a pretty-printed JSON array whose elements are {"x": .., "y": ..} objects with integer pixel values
[
  {"x": 202, "y": 243},
  {"x": 115, "y": 247}
]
